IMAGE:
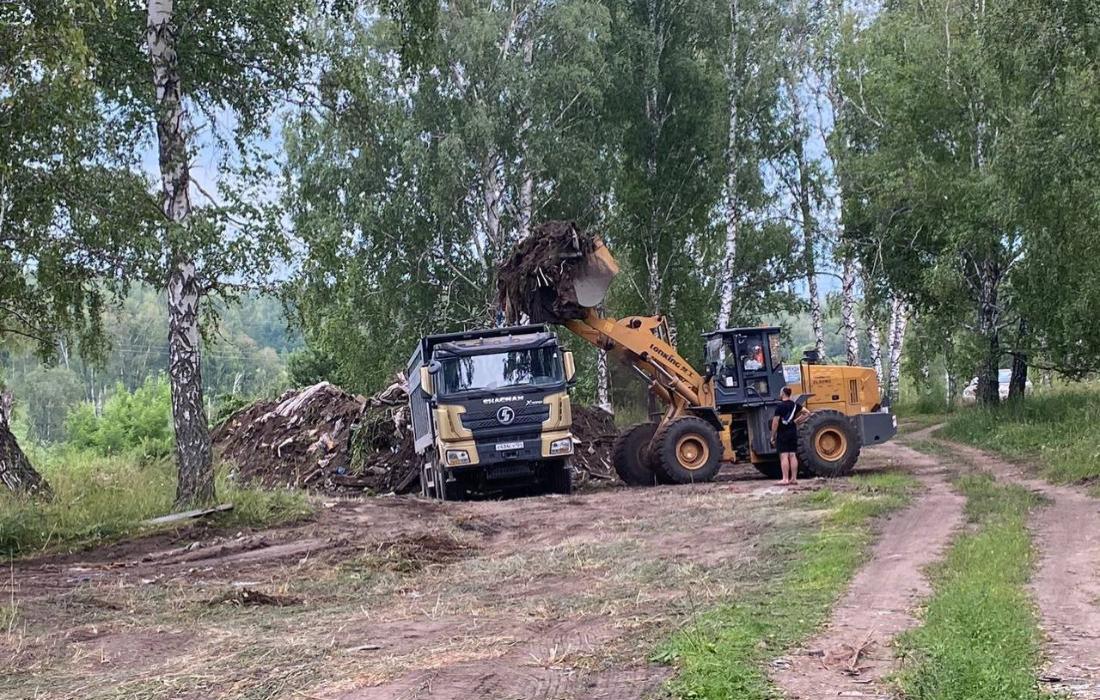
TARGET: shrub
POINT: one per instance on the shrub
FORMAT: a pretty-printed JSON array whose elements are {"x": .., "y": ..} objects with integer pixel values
[{"x": 137, "y": 424}]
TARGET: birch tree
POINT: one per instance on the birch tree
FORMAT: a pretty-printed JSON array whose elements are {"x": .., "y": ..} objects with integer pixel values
[
  {"x": 750, "y": 70},
  {"x": 193, "y": 454},
  {"x": 800, "y": 170},
  {"x": 222, "y": 69},
  {"x": 495, "y": 129},
  {"x": 928, "y": 128}
]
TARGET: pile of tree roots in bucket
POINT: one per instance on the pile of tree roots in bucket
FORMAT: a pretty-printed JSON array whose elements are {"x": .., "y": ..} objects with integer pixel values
[{"x": 537, "y": 278}]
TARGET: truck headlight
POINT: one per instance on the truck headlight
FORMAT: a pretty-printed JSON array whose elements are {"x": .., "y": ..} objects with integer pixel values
[
  {"x": 563, "y": 446},
  {"x": 457, "y": 457},
  {"x": 894, "y": 420}
]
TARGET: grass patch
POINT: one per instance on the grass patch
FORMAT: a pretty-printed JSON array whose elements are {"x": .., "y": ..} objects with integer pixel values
[
  {"x": 722, "y": 653},
  {"x": 98, "y": 499},
  {"x": 979, "y": 639},
  {"x": 1058, "y": 430}
]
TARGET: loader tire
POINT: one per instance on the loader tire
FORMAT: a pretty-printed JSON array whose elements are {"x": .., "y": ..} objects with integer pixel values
[
  {"x": 631, "y": 457},
  {"x": 687, "y": 450},
  {"x": 828, "y": 444}
]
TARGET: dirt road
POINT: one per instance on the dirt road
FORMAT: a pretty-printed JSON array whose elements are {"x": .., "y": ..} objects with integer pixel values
[
  {"x": 852, "y": 655},
  {"x": 1066, "y": 585}
]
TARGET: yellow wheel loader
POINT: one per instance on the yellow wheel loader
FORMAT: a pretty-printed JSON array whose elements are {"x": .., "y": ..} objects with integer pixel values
[{"x": 721, "y": 414}]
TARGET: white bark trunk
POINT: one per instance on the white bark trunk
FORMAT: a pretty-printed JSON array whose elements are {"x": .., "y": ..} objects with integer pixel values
[
  {"x": 732, "y": 198},
  {"x": 492, "y": 197},
  {"x": 809, "y": 227},
  {"x": 848, "y": 310},
  {"x": 196, "y": 471},
  {"x": 527, "y": 187},
  {"x": 603, "y": 382},
  {"x": 899, "y": 319},
  {"x": 874, "y": 346}
]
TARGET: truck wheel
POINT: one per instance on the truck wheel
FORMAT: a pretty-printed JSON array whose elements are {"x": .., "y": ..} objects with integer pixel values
[
  {"x": 630, "y": 455},
  {"x": 687, "y": 450},
  {"x": 828, "y": 444},
  {"x": 559, "y": 478},
  {"x": 427, "y": 476},
  {"x": 448, "y": 491}
]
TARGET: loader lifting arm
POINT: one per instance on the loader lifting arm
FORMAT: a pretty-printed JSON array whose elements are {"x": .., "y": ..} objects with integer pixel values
[{"x": 642, "y": 342}]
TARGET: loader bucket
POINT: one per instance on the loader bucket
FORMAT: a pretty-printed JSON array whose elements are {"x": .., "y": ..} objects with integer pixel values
[{"x": 593, "y": 276}]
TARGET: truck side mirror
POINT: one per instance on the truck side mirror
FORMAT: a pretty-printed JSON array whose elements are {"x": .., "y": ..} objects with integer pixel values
[
  {"x": 427, "y": 383},
  {"x": 570, "y": 366}
]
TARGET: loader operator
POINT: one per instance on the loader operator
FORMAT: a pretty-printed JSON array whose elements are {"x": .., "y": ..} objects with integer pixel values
[{"x": 785, "y": 436}]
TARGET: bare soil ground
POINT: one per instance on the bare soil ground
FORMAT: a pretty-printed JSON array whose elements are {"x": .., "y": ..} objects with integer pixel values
[
  {"x": 853, "y": 654},
  {"x": 555, "y": 597}
]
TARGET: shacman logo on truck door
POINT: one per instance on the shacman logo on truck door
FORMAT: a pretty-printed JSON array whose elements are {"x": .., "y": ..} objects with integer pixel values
[{"x": 506, "y": 415}]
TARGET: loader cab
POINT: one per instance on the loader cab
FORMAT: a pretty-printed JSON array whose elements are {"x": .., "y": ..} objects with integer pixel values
[{"x": 746, "y": 365}]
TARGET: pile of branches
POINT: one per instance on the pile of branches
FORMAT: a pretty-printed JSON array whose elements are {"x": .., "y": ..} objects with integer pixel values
[
  {"x": 537, "y": 278},
  {"x": 323, "y": 437},
  {"x": 595, "y": 431}
]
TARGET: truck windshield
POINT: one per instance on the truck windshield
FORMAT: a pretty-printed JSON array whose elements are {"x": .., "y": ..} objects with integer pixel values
[{"x": 539, "y": 367}]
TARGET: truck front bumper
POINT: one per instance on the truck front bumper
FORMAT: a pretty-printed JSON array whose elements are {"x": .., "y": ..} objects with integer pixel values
[
  {"x": 505, "y": 449},
  {"x": 877, "y": 428}
]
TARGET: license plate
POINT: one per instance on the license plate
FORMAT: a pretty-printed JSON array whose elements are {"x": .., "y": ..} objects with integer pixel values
[{"x": 503, "y": 446}]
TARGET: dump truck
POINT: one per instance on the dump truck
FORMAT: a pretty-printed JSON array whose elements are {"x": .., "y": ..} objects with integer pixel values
[
  {"x": 720, "y": 413},
  {"x": 490, "y": 412}
]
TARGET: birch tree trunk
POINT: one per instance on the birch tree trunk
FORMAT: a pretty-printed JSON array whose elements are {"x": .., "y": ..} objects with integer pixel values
[
  {"x": 848, "y": 310},
  {"x": 654, "y": 115},
  {"x": 603, "y": 382},
  {"x": 16, "y": 471},
  {"x": 527, "y": 187},
  {"x": 733, "y": 205},
  {"x": 492, "y": 198},
  {"x": 196, "y": 467},
  {"x": 874, "y": 346},
  {"x": 899, "y": 319},
  {"x": 809, "y": 227}
]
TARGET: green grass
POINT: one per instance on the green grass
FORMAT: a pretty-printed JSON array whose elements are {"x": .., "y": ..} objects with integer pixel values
[
  {"x": 1058, "y": 430},
  {"x": 979, "y": 638},
  {"x": 98, "y": 499},
  {"x": 722, "y": 652}
]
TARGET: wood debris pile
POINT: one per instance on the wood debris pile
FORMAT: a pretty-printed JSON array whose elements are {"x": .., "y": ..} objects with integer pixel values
[
  {"x": 595, "y": 431},
  {"x": 323, "y": 437}
]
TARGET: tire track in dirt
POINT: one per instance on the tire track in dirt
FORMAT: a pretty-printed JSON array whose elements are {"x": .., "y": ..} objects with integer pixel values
[
  {"x": 1066, "y": 584},
  {"x": 853, "y": 654}
]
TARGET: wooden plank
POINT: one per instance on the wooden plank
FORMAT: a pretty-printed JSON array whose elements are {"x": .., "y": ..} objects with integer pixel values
[{"x": 188, "y": 514}]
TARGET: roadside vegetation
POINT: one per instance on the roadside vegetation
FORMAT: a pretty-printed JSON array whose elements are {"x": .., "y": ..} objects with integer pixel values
[
  {"x": 98, "y": 499},
  {"x": 1057, "y": 429},
  {"x": 722, "y": 653},
  {"x": 979, "y": 639}
]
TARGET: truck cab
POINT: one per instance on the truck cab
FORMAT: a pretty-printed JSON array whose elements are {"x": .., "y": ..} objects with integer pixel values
[{"x": 490, "y": 412}]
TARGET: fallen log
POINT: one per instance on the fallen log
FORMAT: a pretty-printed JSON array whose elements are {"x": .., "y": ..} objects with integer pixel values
[{"x": 188, "y": 514}]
